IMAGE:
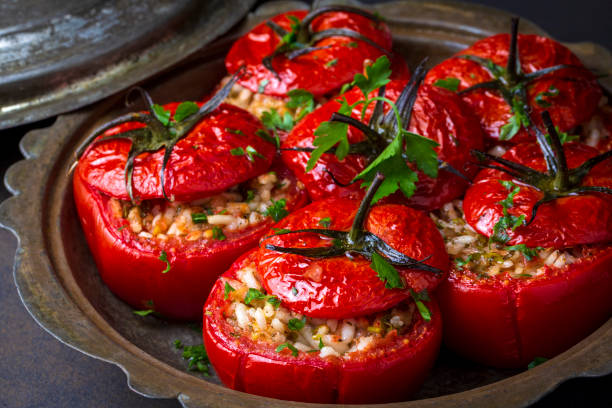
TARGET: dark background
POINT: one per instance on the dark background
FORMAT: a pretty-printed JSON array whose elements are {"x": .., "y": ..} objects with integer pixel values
[{"x": 36, "y": 370}]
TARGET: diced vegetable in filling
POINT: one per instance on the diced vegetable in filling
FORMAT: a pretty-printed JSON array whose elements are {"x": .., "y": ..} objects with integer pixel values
[
  {"x": 474, "y": 252},
  {"x": 263, "y": 318},
  {"x": 211, "y": 218}
]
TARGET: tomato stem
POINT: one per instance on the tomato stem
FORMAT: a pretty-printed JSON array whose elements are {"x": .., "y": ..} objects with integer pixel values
[{"x": 357, "y": 228}]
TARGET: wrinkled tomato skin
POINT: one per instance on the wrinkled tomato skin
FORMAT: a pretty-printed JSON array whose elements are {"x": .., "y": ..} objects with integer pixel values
[
  {"x": 319, "y": 72},
  {"x": 437, "y": 114},
  {"x": 340, "y": 287},
  {"x": 568, "y": 221},
  {"x": 255, "y": 367},
  {"x": 509, "y": 324},
  {"x": 200, "y": 165},
  {"x": 576, "y": 102},
  {"x": 130, "y": 267}
]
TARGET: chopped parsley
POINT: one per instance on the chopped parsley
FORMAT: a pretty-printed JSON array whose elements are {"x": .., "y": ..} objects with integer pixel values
[
  {"x": 164, "y": 258},
  {"x": 528, "y": 253},
  {"x": 250, "y": 195},
  {"x": 296, "y": 324},
  {"x": 294, "y": 291},
  {"x": 460, "y": 262},
  {"x": 199, "y": 218},
  {"x": 249, "y": 152},
  {"x": 235, "y": 131},
  {"x": 551, "y": 93},
  {"x": 302, "y": 100},
  {"x": 196, "y": 356},
  {"x": 325, "y": 222},
  {"x": 262, "y": 133},
  {"x": 228, "y": 289},
  {"x": 274, "y": 120},
  {"x": 536, "y": 362},
  {"x": 143, "y": 312},
  {"x": 500, "y": 234},
  {"x": 331, "y": 63},
  {"x": 419, "y": 298},
  {"x": 262, "y": 85},
  {"x": 277, "y": 210},
  {"x": 217, "y": 233},
  {"x": 256, "y": 294},
  {"x": 289, "y": 346},
  {"x": 516, "y": 121},
  {"x": 452, "y": 84},
  {"x": 352, "y": 44}
]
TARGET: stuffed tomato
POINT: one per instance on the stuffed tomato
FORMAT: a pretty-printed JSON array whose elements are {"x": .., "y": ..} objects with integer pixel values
[
  {"x": 532, "y": 270},
  {"x": 170, "y": 198},
  {"x": 440, "y": 126},
  {"x": 325, "y": 327},
  {"x": 508, "y": 80}
]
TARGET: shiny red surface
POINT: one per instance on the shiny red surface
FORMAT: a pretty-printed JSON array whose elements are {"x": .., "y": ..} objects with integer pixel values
[
  {"x": 578, "y": 96},
  {"x": 388, "y": 373},
  {"x": 564, "y": 222},
  {"x": 201, "y": 164},
  {"x": 509, "y": 323},
  {"x": 438, "y": 115},
  {"x": 129, "y": 265},
  {"x": 313, "y": 71},
  {"x": 340, "y": 287}
]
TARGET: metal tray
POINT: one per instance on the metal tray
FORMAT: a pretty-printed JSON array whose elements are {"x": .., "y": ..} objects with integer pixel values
[
  {"x": 58, "y": 282},
  {"x": 56, "y": 56}
]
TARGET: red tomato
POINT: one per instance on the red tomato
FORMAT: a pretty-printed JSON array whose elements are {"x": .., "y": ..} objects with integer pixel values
[
  {"x": 568, "y": 221},
  {"x": 341, "y": 287},
  {"x": 391, "y": 372},
  {"x": 319, "y": 72},
  {"x": 201, "y": 165},
  {"x": 578, "y": 95},
  {"x": 437, "y": 114},
  {"x": 505, "y": 322}
]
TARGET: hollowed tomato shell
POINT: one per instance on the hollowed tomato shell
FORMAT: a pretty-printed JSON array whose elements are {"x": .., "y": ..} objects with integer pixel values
[
  {"x": 391, "y": 373},
  {"x": 510, "y": 323},
  {"x": 438, "y": 115},
  {"x": 319, "y": 72},
  {"x": 341, "y": 287}
]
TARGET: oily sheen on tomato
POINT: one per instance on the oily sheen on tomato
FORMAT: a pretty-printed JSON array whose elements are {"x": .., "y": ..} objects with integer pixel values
[
  {"x": 390, "y": 371},
  {"x": 321, "y": 71},
  {"x": 578, "y": 91},
  {"x": 437, "y": 114},
  {"x": 344, "y": 287},
  {"x": 200, "y": 166}
]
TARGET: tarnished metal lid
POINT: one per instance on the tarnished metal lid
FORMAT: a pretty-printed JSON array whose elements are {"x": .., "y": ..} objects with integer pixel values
[{"x": 56, "y": 56}]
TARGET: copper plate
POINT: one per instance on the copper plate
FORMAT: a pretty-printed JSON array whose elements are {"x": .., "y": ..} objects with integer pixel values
[
  {"x": 56, "y": 56},
  {"x": 59, "y": 284}
]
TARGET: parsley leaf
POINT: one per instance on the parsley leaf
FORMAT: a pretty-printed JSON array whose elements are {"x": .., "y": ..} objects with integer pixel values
[
  {"x": 527, "y": 252},
  {"x": 302, "y": 100},
  {"x": 331, "y": 63},
  {"x": 273, "y": 120},
  {"x": 551, "y": 93},
  {"x": 185, "y": 110},
  {"x": 420, "y": 150},
  {"x": 418, "y": 300},
  {"x": 143, "y": 312},
  {"x": 217, "y": 233},
  {"x": 386, "y": 272},
  {"x": 235, "y": 131},
  {"x": 256, "y": 294},
  {"x": 250, "y": 196},
  {"x": 500, "y": 234},
  {"x": 294, "y": 351},
  {"x": 164, "y": 258},
  {"x": 237, "y": 151},
  {"x": 196, "y": 357},
  {"x": 268, "y": 138},
  {"x": 277, "y": 210},
  {"x": 325, "y": 222},
  {"x": 199, "y": 218},
  {"x": 460, "y": 262},
  {"x": 564, "y": 137},
  {"x": 228, "y": 288},
  {"x": 377, "y": 75},
  {"x": 536, "y": 362},
  {"x": 161, "y": 114},
  {"x": 296, "y": 324},
  {"x": 252, "y": 153},
  {"x": 516, "y": 121},
  {"x": 450, "y": 83},
  {"x": 329, "y": 134}
]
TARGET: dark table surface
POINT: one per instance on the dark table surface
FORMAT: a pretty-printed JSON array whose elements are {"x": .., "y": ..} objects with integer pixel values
[{"x": 36, "y": 370}]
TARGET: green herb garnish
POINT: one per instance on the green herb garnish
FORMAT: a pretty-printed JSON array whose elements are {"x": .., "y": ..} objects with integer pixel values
[
  {"x": 277, "y": 209},
  {"x": 289, "y": 346},
  {"x": 452, "y": 84},
  {"x": 164, "y": 258}
]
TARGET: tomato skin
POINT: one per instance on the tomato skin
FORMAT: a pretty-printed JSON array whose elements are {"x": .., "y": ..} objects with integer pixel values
[
  {"x": 255, "y": 367},
  {"x": 576, "y": 102},
  {"x": 340, "y": 287},
  {"x": 315, "y": 71},
  {"x": 509, "y": 324},
  {"x": 564, "y": 222},
  {"x": 132, "y": 269},
  {"x": 200, "y": 165},
  {"x": 437, "y": 114}
]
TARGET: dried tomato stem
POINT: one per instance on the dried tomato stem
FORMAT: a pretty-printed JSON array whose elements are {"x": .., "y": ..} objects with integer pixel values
[
  {"x": 513, "y": 67},
  {"x": 364, "y": 208}
]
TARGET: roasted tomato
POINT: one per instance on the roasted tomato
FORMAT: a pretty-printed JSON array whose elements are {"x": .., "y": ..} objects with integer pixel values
[
  {"x": 509, "y": 96},
  {"x": 381, "y": 357},
  {"x": 540, "y": 278},
  {"x": 165, "y": 255},
  {"x": 437, "y": 114},
  {"x": 317, "y": 51}
]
